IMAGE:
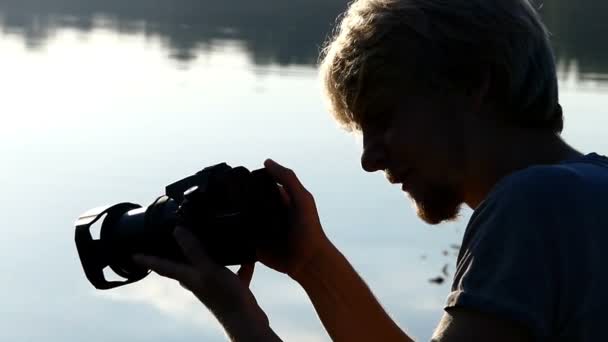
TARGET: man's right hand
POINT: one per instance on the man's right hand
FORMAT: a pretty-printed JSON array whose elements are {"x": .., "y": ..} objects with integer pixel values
[
  {"x": 305, "y": 234},
  {"x": 347, "y": 308}
]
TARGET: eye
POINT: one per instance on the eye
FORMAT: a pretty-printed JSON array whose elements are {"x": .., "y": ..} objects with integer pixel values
[{"x": 376, "y": 122}]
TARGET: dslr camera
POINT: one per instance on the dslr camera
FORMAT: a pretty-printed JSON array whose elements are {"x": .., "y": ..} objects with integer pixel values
[{"x": 232, "y": 211}]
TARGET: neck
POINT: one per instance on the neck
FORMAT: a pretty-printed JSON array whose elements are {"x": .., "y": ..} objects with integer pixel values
[{"x": 503, "y": 153}]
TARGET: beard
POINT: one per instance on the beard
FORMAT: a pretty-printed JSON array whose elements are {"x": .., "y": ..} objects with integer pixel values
[{"x": 437, "y": 203}]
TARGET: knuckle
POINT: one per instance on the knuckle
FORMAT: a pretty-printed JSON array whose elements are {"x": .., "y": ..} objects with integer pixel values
[
  {"x": 290, "y": 172},
  {"x": 307, "y": 195}
]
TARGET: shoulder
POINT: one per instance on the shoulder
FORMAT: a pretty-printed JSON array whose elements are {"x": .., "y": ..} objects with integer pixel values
[
  {"x": 538, "y": 181},
  {"x": 536, "y": 189},
  {"x": 507, "y": 261},
  {"x": 526, "y": 207}
]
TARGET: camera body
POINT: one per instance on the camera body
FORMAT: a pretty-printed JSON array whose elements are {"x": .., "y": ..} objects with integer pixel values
[{"x": 232, "y": 211}]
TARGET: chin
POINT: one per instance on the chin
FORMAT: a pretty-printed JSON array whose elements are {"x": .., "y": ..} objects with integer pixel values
[{"x": 437, "y": 205}]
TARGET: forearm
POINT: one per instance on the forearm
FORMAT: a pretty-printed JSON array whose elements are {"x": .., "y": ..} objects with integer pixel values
[
  {"x": 240, "y": 327},
  {"x": 346, "y": 306}
]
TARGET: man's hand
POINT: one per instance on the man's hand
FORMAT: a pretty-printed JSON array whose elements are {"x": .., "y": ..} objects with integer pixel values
[
  {"x": 306, "y": 236},
  {"x": 226, "y": 294}
]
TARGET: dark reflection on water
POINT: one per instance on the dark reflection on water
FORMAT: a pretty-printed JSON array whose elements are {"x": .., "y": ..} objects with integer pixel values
[
  {"x": 271, "y": 31},
  {"x": 580, "y": 34}
]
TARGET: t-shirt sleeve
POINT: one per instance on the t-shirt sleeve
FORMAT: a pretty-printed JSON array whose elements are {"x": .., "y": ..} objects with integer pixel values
[{"x": 506, "y": 265}]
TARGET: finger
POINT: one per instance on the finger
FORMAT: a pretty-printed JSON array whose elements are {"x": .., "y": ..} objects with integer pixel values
[
  {"x": 288, "y": 179},
  {"x": 193, "y": 250},
  {"x": 166, "y": 268},
  {"x": 245, "y": 273},
  {"x": 284, "y": 195}
]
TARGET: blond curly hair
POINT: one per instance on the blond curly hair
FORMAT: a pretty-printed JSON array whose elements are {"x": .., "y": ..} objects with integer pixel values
[{"x": 385, "y": 48}]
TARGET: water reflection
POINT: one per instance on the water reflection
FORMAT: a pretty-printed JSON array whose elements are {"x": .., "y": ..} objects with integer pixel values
[
  {"x": 271, "y": 31},
  {"x": 579, "y": 35}
]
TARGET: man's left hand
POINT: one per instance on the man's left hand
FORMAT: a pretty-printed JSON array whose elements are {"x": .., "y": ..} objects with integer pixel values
[{"x": 225, "y": 294}]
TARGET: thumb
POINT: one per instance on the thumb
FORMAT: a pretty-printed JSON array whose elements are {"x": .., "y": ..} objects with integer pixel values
[{"x": 288, "y": 179}]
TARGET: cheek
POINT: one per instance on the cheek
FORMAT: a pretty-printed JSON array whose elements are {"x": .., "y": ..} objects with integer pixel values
[
  {"x": 403, "y": 146},
  {"x": 417, "y": 146},
  {"x": 437, "y": 157},
  {"x": 448, "y": 161},
  {"x": 413, "y": 136}
]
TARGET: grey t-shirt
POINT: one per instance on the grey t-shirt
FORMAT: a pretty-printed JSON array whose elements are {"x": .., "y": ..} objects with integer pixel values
[{"x": 535, "y": 251}]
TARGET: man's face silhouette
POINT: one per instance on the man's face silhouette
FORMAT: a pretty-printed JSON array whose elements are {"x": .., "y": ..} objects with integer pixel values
[{"x": 420, "y": 143}]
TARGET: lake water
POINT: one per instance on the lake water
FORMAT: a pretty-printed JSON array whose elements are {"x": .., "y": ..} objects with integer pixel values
[{"x": 109, "y": 101}]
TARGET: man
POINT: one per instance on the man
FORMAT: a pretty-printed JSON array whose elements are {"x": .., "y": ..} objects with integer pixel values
[{"x": 458, "y": 101}]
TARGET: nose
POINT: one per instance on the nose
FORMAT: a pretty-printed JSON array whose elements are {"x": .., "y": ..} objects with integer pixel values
[{"x": 373, "y": 157}]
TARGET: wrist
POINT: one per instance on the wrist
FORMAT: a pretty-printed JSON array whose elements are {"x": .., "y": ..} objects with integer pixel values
[
  {"x": 242, "y": 326},
  {"x": 323, "y": 255}
]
